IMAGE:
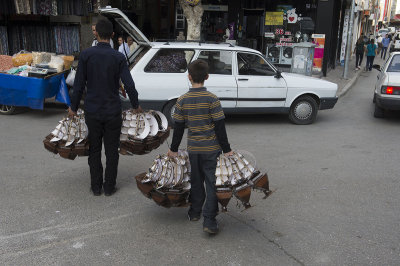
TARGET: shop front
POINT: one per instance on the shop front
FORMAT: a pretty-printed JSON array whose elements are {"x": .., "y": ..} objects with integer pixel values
[{"x": 274, "y": 27}]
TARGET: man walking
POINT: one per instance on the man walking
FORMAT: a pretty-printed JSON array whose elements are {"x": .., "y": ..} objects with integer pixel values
[
  {"x": 385, "y": 45},
  {"x": 100, "y": 68}
]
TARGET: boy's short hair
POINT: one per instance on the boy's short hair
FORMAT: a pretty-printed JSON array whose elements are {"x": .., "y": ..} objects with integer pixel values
[
  {"x": 104, "y": 29},
  {"x": 198, "y": 70}
]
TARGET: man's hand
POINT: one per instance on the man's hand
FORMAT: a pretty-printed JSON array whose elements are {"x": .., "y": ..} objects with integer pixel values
[
  {"x": 71, "y": 113},
  {"x": 228, "y": 154},
  {"x": 138, "y": 110},
  {"x": 172, "y": 154}
]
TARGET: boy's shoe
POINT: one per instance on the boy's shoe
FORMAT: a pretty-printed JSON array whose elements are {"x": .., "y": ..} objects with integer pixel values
[
  {"x": 210, "y": 226},
  {"x": 210, "y": 230},
  {"x": 193, "y": 218}
]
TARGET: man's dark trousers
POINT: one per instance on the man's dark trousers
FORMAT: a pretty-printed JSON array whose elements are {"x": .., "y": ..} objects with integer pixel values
[
  {"x": 107, "y": 127},
  {"x": 203, "y": 168}
]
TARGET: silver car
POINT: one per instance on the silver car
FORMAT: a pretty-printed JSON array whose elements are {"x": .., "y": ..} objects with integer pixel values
[{"x": 387, "y": 87}]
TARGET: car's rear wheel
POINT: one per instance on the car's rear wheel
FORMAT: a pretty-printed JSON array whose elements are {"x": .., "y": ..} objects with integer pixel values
[
  {"x": 303, "y": 110},
  {"x": 168, "y": 111},
  {"x": 379, "y": 112}
]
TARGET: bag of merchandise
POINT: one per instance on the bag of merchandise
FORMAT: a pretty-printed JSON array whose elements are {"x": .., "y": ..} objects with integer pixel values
[
  {"x": 37, "y": 58},
  {"x": 22, "y": 58},
  {"x": 57, "y": 62},
  {"x": 68, "y": 60},
  {"x": 71, "y": 77}
]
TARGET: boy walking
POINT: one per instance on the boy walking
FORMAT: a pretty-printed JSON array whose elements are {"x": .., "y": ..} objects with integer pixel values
[{"x": 202, "y": 113}]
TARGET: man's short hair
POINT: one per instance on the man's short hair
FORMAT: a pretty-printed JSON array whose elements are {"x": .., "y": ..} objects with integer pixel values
[
  {"x": 104, "y": 29},
  {"x": 198, "y": 70}
]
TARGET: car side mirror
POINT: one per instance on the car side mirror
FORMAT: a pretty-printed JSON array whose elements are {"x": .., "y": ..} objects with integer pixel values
[
  {"x": 377, "y": 67},
  {"x": 278, "y": 74}
]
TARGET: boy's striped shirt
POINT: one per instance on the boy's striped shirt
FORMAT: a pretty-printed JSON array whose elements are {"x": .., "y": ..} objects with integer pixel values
[{"x": 198, "y": 109}]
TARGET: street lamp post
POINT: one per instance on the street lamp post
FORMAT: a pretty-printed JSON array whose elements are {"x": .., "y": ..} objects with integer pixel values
[{"x": 349, "y": 41}]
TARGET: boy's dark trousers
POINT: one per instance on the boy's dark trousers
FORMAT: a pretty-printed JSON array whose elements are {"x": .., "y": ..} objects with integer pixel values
[
  {"x": 107, "y": 127},
  {"x": 203, "y": 168},
  {"x": 370, "y": 62}
]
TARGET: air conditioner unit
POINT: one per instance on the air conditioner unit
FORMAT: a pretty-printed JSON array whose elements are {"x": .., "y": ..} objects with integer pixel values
[
  {"x": 286, "y": 55},
  {"x": 273, "y": 53}
]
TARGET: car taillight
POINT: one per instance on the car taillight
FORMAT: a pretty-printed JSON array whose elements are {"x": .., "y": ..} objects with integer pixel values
[{"x": 394, "y": 90}]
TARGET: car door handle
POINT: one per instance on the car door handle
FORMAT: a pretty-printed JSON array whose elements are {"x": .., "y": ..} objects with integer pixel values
[{"x": 243, "y": 79}]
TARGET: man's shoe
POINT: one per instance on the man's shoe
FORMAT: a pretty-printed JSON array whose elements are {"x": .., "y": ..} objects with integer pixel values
[
  {"x": 96, "y": 192},
  {"x": 109, "y": 193}
]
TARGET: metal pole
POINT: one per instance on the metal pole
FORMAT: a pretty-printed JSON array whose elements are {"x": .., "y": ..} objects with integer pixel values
[{"x": 349, "y": 41}]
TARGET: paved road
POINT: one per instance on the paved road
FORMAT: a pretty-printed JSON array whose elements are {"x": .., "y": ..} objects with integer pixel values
[{"x": 336, "y": 201}]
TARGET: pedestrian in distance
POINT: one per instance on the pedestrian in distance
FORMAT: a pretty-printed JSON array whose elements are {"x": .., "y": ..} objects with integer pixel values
[
  {"x": 371, "y": 52},
  {"x": 95, "y": 41},
  {"x": 131, "y": 43},
  {"x": 201, "y": 112},
  {"x": 359, "y": 50},
  {"x": 385, "y": 45},
  {"x": 100, "y": 68},
  {"x": 123, "y": 47}
]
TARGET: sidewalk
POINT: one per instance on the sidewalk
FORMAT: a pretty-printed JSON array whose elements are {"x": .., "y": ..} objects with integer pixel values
[{"x": 336, "y": 75}]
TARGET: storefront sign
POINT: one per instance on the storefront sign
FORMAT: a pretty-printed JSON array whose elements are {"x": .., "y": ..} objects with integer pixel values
[
  {"x": 284, "y": 44},
  {"x": 291, "y": 16},
  {"x": 273, "y": 18},
  {"x": 279, "y": 31},
  {"x": 215, "y": 8},
  {"x": 288, "y": 33},
  {"x": 269, "y": 35},
  {"x": 318, "y": 36},
  {"x": 285, "y": 39}
]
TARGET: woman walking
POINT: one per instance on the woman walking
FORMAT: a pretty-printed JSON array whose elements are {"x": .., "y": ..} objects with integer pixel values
[{"x": 371, "y": 52}]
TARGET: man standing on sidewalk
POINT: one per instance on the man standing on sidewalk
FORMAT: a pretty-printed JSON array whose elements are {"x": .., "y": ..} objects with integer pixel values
[
  {"x": 385, "y": 45},
  {"x": 100, "y": 68}
]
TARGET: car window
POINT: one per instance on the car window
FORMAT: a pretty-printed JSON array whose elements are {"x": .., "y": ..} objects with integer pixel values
[
  {"x": 219, "y": 62},
  {"x": 252, "y": 64},
  {"x": 170, "y": 61},
  {"x": 394, "y": 65}
]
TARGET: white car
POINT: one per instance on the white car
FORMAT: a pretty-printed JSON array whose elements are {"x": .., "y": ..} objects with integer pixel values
[
  {"x": 243, "y": 79},
  {"x": 387, "y": 87}
]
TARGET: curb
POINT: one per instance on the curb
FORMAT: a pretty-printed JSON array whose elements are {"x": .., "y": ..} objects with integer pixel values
[{"x": 349, "y": 84}]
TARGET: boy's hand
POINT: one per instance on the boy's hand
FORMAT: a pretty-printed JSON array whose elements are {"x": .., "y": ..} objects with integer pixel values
[
  {"x": 138, "y": 110},
  {"x": 172, "y": 154},
  {"x": 228, "y": 154}
]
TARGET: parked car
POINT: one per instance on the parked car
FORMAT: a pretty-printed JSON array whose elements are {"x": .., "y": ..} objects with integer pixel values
[
  {"x": 395, "y": 44},
  {"x": 383, "y": 32},
  {"x": 243, "y": 79},
  {"x": 387, "y": 87}
]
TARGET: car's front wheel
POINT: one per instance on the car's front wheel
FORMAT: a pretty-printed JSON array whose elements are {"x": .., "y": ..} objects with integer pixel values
[
  {"x": 303, "y": 110},
  {"x": 7, "y": 109},
  {"x": 379, "y": 112},
  {"x": 168, "y": 111}
]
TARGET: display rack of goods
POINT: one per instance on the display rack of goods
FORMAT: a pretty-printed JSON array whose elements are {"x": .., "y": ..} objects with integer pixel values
[
  {"x": 142, "y": 132},
  {"x": 168, "y": 180},
  {"x": 69, "y": 138}
]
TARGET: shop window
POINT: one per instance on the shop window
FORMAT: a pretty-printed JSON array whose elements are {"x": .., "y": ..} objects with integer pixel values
[
  {"x": 170, "y": 61},
  {"x": 219, "y": 62},
  {"x": 255, "y": 65}
]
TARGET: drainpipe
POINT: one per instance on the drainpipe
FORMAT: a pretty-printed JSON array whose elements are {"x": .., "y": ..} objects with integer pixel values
[{"x": 349, "y": 41}]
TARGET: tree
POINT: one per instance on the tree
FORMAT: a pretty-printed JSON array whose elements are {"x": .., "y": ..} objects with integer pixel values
[{"x": 193, "y": 14}]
